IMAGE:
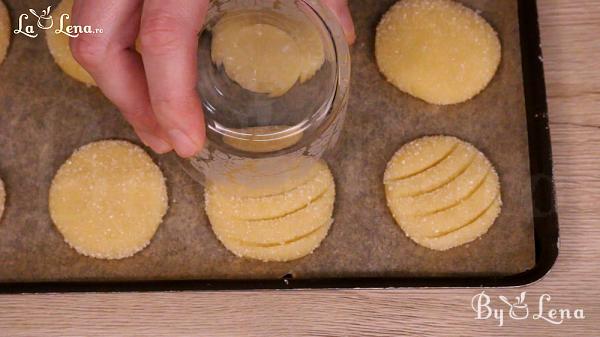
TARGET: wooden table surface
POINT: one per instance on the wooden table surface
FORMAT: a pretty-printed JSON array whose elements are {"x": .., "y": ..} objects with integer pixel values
[{"x": 571, "y": 42}]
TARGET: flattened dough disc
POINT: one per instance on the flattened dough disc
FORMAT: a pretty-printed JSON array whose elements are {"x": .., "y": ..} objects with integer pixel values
[
  {"x": 451, "y": 196},
  {"x": 5, "y": 31},
  {"x": 274, "y": 227},
  {"x": 437, "y": 50},
  {"x": 58, "y": 44},
  {"x": 108, "y": 199}
]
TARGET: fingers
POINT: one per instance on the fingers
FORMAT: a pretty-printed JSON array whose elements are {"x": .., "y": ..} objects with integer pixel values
[
  {"x": 169, "y": 42},
  {"x": 117, "y": 69},
  {"x": 342, "y": 12},
  {"x": 157, "y": 96}
]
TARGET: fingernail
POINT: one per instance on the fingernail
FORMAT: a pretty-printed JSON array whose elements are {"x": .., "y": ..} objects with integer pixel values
[
  {"x": 156, "y": 144},
  {"x": 184, "y": 146}
]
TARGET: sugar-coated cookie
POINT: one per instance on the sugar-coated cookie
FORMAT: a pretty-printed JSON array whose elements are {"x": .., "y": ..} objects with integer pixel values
[
  {"x": 58, "y": 44},
  {"x": 274, "y": 227},
  {"x": 450, "y": 198},
  {"x": 437, "y": 50},
  {"x": 108, "y": 199}
]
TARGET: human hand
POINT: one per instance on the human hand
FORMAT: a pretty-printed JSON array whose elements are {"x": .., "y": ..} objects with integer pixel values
[
  {"x": 342, "y": 12},
  {"x": 155, "y": 91}
]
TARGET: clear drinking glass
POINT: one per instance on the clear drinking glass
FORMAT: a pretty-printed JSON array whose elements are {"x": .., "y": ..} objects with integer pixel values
[{"x": 258, "y": 139}]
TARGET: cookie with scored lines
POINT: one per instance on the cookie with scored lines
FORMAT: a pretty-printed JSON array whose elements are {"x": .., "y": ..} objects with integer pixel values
[
  {"x": 442, "y": 192},
  {"x": 274, "y": 227}
]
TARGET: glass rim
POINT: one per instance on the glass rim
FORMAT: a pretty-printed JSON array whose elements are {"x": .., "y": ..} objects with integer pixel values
[{"x": 321, "y": 117}]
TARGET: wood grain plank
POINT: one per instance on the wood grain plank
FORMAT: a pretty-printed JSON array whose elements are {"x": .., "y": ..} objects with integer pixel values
[{"x": 572, "y": 59}]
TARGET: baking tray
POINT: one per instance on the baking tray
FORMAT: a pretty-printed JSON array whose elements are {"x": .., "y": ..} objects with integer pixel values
[{"x": 23, "y": 95}]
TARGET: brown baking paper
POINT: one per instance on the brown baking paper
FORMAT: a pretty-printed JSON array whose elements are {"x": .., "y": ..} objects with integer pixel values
[{"x": 45, "y": 115}]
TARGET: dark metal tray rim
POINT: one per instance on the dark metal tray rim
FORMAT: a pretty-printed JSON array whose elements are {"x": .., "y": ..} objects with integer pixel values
[{"x": 544, "y": 208}]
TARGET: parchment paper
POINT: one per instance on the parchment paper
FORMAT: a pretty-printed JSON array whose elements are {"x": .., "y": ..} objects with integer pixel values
[{"x": 45, "y": 115}]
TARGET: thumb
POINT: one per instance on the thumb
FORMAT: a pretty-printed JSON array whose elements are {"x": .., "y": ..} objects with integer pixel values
[{"x": 342, "y": 12}]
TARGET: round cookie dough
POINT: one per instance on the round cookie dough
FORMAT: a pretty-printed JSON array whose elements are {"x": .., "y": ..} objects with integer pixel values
[
  {"x": 451, "y": 197},
  {"x": 108, "y": 199},
  {"x": 2, "y": 198},
  {"x": 279, "y": 227},
  {"x": 437, "y": 50},
  {"x": 5, "y": 31},
  {"x": 265, "y": 52},
  {"x": 58, "y": 44}
]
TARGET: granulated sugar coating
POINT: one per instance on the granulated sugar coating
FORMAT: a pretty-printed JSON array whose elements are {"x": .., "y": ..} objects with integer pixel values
[
  {"x": 5, "y": 31},
  {"x": 265, "y": 52},
  {"x": 437, "y": 50},
  {"x": 2, "y": 198},
  {"x": 279, "y": 227},
  {"x": 58, "y": 44},
  {"x": 451, "y": 198},
  {"x": 108, "y": 199}
]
